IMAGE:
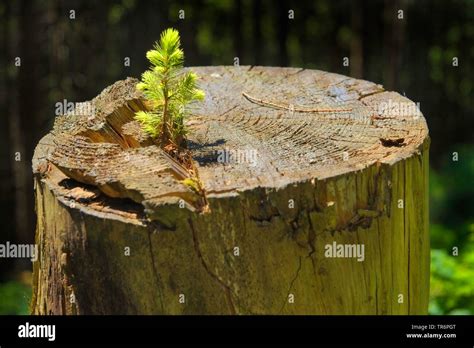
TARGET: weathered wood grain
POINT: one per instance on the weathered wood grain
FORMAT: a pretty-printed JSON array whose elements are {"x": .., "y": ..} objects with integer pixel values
[{"x": 318, "y": 177}]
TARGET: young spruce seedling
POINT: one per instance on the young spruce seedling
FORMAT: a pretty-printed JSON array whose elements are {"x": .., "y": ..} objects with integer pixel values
[{"x": 169, "y": 91}]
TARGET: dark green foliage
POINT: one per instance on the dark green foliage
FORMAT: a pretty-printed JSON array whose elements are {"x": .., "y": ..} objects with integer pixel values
[
  {"x": 14, "y": 298},
  {"x": 452, "y": 226}
]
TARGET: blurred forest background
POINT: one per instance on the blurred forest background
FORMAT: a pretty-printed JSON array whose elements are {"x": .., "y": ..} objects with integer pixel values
[{"x": 75, "y": 58}]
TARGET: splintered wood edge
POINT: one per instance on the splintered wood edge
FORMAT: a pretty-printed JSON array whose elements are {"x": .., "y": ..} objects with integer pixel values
[{"x": 248, "y": 111}]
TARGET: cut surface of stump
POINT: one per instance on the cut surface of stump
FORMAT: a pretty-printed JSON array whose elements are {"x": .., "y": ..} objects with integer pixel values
[{"x": 295, "y": 164}]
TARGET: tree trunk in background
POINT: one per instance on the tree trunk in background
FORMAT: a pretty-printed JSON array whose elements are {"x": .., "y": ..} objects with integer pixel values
[
  {"x": 357, "y": 54},
  {"x": 119, "y": 232},
  {"x": 281, "y": 27},
  {"x": 237, "y": 31},
  {"x": 6, "y": 190},
  {"x": 257, "y": 31},
  {"x": 394, "y": 33},
  {"x": 189, "y": 33},
  {"x": 19, "y": 133}
]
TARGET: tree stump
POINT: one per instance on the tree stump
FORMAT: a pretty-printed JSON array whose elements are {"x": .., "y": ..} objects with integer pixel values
[{"x": 316, "y": 186}]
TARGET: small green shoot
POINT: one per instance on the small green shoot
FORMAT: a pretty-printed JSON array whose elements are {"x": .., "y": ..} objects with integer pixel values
[{"x": 169, "y": 91}]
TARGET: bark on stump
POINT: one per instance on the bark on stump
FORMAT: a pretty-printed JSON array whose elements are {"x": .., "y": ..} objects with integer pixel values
[{"x": 119, "y": 233}]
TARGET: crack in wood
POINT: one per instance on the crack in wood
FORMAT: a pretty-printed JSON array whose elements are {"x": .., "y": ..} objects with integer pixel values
[
  {"x": 155, "y": 273},
  {"x": 311, "y": 241},
  {"x": 289, "y": 107},
  {"x": 227, "y": 289},
  {"x": 291, "y": 284}
]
